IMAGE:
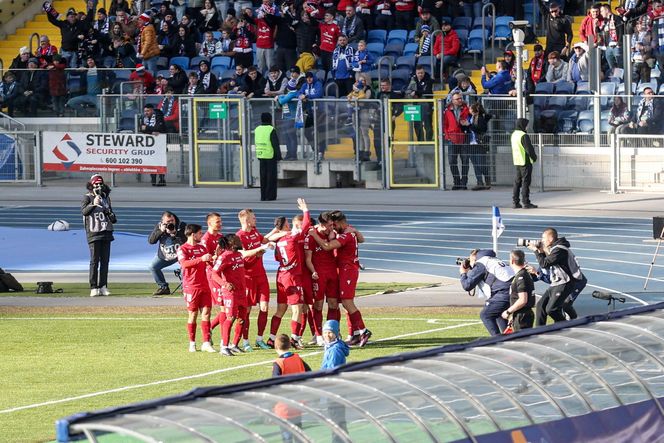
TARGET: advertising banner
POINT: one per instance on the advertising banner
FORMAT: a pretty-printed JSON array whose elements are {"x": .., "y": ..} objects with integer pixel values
[{"x": 98, "y": 152}]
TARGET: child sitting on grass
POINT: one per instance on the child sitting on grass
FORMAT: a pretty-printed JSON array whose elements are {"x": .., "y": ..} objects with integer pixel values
[{"x": 336, "y": 350}]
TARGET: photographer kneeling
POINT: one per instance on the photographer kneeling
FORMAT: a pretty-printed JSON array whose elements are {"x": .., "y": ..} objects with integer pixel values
[
  {"x": 492, "y": 278},
  {"x": 169, "y": 232},
  {"x": 553, "y": 255}
]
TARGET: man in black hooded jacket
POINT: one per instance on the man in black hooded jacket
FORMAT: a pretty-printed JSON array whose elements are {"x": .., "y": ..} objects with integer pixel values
[{"x": 523, "y": 156}]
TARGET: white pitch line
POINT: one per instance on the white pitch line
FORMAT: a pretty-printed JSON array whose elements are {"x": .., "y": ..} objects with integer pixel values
[
  {"x": 204, "y": 374},
  {"x": 621, "y": 293}
]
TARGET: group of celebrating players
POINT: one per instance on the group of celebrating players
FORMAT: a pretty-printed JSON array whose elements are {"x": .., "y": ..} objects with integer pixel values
[{"x": 316, "y": 263}]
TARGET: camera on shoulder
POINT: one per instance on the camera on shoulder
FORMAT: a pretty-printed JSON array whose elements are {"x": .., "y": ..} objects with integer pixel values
[{"x": 527, "y": 242}]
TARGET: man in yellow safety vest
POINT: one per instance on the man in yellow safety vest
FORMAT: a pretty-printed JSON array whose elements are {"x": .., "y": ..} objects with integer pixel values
[
  {"x": 268, "y": 153},
  {"x": 523, "y": 157}
]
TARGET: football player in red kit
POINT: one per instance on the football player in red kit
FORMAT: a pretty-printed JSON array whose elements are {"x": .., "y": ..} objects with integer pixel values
[
  {"x": 228, "y": 273},
  {"x": 322, "y": 266},
  {"x": 348, "y": 263},
  {"x": 258, "y": 287},
  {"x": 289, "y": 283},
  {"x": 193, "y": 259},
  {"x": 211, "y": 237}
]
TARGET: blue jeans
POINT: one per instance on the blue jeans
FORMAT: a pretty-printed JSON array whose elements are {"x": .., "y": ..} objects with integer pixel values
[
  {"x": 155, "y": 268},
  {"x": 151, "y": 65},
  {"x": 490, "y": 315},
  {"x": 613, "y": 57},
  {"x": 71, "y": 56},
  {"x": 472, "y": 10}
]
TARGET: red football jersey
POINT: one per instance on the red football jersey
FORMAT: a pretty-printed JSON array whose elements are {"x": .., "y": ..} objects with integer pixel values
[
  {"x": 193, "y": 277},
  {"x": 290, "y": 251},
  {"x": 347, "y": 254},
  {"x": 322, "y": 260},
  {"x": 251, "y": 240},
  {"x": 230, "y": 266},
  {"x": 210, "y": 241}
]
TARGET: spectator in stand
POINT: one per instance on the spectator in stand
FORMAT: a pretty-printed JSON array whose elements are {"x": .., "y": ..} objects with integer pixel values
[
  {"x": 426, "y": 20},
  {"x": 631, "y": 10},
  {"x": 404, "y": 14},
  {"x": 265, "y": 24},
  {"x": 619, "y": 116},
  {"x": 307, "y": 36},
  {"x": 642, "y": 62},
  {"x": 362, "y": 60},
  {"x": 310, "y": 91},
  {"x": 122, "y": 52},
  {"x": 610, "y": 37},
  {"x": 183, "y": 45},
  {"x": 164, "y": 10},
  {"x": 170, "y": 108},
  {"x": 501, "y": 83},
  {"x": 656, "y": 16},
  {"x": 536, "y": 69},
  {"x": 230, "y": 21},
  {"x": 34, "y": 88},
  {"x": 177, "y": 80},
  {"x": 456, "y": 122},
  {"x": 362, "y": 91},
  {"x": 20, "y": 62},
  {"x": 145, "y": 78},
  {"x": 447, "y": 47},
  {"x": 70, "y": 30},
  {"x": 590, "y": 25},
  {"x": 194, "y": 87},
  {"x": 472, "y": 8},
  {"x": 92, "y": 80},
  {"x": 464, "y": 87},
  {"x": 45, "y": 52},
  {"x": 148, "y": 48},
  {"x": 509, "y": 58},
  {"x": 286, "y": 37},
  {"x": 57, "y": 84},
  {"x": 479, "y": 145},
  {"x": 117, "y": 6},
  {"x": 558, "y": 28},
  {"x": 127, "y": 23},
  {"x": 161, "y": 84},
  {"x": 237, "y": 81},
  {"x": 646, "y": 117},
  {"x": 364, "y": 13},
  {"x": 207, "y": 78},
  {"x": 10, "y": 92},
  {"x": 254, "y": 84},
  {"x": 244, "y": 53},
  {"x": 275, "y": 84},
  {"x": 194, "y": 7},
  {"x": 384, "y": 14},
  {"x": 152, "y": 122},
  {"x": 424, "y": 43},
  {"x": 385, "y": 93},
  {"x": 288, "y": 103},
  {"x": 208, "y": 19},
  {"x": 557, "y": 70},
  {"x": 342, "y": 59},
  {"x": 226, "y": 44},
  {"x": 329, "y": 36},
  {"x": 102, "y": 25},
  {"x": 352, "y": 26},
  {"x": 89, "y": 46},
  {"x": 421, "y": 86},
  {"x": 210, "y": 46},
  {"x": 578, "y": 64},
  {"x": 192, "y": 30}
]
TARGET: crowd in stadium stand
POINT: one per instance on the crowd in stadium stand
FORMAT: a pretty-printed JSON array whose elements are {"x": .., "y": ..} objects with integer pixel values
[{"x": 267, "y": 49}]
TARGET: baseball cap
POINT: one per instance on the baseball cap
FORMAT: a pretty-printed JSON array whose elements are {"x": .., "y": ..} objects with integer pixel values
[{"x": 96, "y": 179}]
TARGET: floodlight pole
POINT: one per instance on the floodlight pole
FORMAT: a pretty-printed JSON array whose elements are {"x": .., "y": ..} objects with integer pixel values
[{"x": 519, "y": 36}]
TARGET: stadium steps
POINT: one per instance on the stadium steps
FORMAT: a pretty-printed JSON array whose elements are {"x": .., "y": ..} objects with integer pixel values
[{"x": 39, "y": 24}]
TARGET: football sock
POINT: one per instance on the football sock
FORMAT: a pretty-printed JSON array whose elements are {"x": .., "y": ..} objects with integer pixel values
[
  {"x": 191, "y": 328},
  {"x": 318, "y": 322},
  {"x": 245, "y": 326},
  {"x": 205, "y": 329},
  {"x": 356, "y": 319},
  {"x": 310, "y": 319},
  {"x": 226, "y": 331},
  {"x": 303, "y": 324},
  {"x": 350, "y": 323},
  {"x": 333, "y": 314},
  {"x": 239, "y": 326},
  {"x": 295, "y": 327},
  {"x": 274, "y": 325},
  {"x": 261, "y": 323},
  {"x": 218, "y": 320}
]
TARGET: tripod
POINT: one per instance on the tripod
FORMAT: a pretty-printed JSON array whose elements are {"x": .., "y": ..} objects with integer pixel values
[
  {"x": 654, "y": 257},
  {"x": 178, "y": 274}
]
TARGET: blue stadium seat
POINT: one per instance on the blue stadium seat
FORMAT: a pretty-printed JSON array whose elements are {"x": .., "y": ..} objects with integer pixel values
[
  {"x": 221, "y": 61},
  {"x": 195, "y": 61},
  {"x": 162, "y": 63},
  {"x": 153, "y": 99},
  {"x": 540, "y": 103},
  {"x": 585, "y": 122},
  {"x": 400, "y": 79},
  {"x": 127, "y": 122},
  {"x": 164, "y": 73},
  {"x": 566, "y": 88},
  {"x": 385, "y": 61},
  {"x": 477, "y": 23},
  {"x": 567, "y": 121},
  {"x": 122, "y": 74},
  {"x": 425, "y": 61},
  {"x": 476, "y": 40},
  {"x": 643, "y": 85},
  {"x": 411, "y": 36},
  {"x": 606, "y": 88},
  {"x": 410, "y": 49},
  {"x": 582, "y": 86},
  {"x": 227, "y": 75},
  {"x": 544, "y": 88},
  {"x": 377, "y": 36},
  {"x": 577, "y": 103},
  {"x": 182, "y": 62},
  {"x": 463, "y": 38},
  {"x": 216, "y": 34},
  {"x": 462, "y": 22},
  {"x": 384, "y": 73},
  {"x": 503, "y": 31},
  {"x": 320, "y": 75},
  {"x": 397, "y": 35},
  {"x": 556, "y": 103},
  {"x": 396, "y": 47},
  {"x": 376, "y": 50},
  {"x": 406, "y": 62}
]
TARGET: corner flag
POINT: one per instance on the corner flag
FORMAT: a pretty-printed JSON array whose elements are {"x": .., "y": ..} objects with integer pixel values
[{"x": 497, "y": 226}]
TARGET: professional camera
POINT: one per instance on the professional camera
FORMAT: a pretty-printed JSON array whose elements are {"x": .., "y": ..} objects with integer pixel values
[
  {"x": 170, "y": 227},
  {"x": 463, "y": 261},
  {"x": 98, "y": 190},
  {"x": 527, "y": 242}
]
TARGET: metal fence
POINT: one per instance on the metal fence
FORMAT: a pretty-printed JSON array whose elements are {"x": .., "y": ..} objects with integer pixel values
[{"x": 19, "y": 157}]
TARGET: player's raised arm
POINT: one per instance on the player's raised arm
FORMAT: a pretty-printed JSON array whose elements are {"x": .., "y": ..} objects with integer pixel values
[{"x": 327, "y": 245}]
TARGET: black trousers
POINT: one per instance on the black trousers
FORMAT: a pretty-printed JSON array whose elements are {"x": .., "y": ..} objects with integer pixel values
[
  {"x": 551, "y": 303},
  {"x": 161, "y": 177},
  {"x": 100, "y": 255},
  {"x": 523, "y": 319},
  {"x": 285, "y": 58},
  {"x": 268, "y": 175},
  {"x": 524, "y": 175},
  {"x": 454, "y": 153}
]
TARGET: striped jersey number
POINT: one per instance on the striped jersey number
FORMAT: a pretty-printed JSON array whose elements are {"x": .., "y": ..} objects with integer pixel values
[{"x": 284, "y": 255}]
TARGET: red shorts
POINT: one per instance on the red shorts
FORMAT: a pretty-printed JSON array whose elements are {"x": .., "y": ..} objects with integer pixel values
[
  {"x": 348, "y": 276},
  {"x": 327, "y": 285},
  {"x": 307, "y": 288},
  {"x": 289, "y": 288},
  {"x": 217, "y": 298},
  {"x": 233, "y": 305},
  {"x": 197, "y": 299},
  {"x": 258, "y": 289}
]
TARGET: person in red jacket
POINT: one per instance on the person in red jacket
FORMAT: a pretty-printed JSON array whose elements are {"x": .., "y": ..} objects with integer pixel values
[
  {"x": 590, "y": 24},
  {"x": 329, "y": 34},
  {"x": 170, "y": 106},
  {"x": 446, "y": 47},
  {"x": 456, "y": 120}
]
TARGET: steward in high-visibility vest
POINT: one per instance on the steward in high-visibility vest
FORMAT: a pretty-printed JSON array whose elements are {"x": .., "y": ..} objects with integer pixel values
[
  {"x": 268, "y": 153},
  {"x": 523, "y": 157}
]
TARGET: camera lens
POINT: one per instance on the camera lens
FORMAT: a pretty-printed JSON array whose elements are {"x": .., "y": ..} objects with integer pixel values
[{"x": 170, "y": 226}]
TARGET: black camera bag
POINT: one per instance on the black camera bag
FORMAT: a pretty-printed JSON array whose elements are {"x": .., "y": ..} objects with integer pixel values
[
  {"x": 46, "y": 287},
  {"x": 8, "y": 283}
]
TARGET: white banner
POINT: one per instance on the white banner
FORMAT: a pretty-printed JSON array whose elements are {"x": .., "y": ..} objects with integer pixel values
[{"x": 97, "y": 152}]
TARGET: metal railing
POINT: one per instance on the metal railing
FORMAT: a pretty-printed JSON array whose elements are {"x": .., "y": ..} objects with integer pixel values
[
  {"x": 9, "y": 123},
  {"x": 379, "y": 65},
  {"x": 23, "y": 164},
  {"x": 493, "y": 30},
  {"x": 32, "y": 37}
]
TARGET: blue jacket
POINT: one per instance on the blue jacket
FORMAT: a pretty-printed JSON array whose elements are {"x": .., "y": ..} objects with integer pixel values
[
  {"x": 335, "y": 354},
  {"x": 501, "y": 83},
  {"x": 342, "y": 60},
  {"x": 312, "y": 91},
  {"x": 500, "y": 290}
]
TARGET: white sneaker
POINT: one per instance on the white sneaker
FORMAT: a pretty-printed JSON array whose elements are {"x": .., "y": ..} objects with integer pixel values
[
  {"x": 192, "y": 346},
  {"x": 207, "y": 347},
  {"x": 320, "y": 341},
  {"x": 95, "y": 292},
  {"x": 104, "y": 291},
  {"x": 234, "y": 349}
]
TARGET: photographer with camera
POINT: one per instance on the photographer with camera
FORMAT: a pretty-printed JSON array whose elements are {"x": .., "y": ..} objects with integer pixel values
[
  {"x": 98, "y": 218},
  {"x": 169, "y": 232},
  {"x": 553, "y": 255},
  {"x": 492, "y": 278}
]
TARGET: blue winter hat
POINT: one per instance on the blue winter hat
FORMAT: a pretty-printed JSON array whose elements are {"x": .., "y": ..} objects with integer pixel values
[{"x": 332, "y": 326}]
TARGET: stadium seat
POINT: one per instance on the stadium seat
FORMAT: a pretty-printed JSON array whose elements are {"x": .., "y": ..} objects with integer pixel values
[
  {"x": 227, "y": 74},
  {"x": 463, "y": 38},
  {"x": 540, "y": 101},
  {"x": 477, "y": 23},
  {"x": 606, "y": 89},
  {"x": 661, "y": 89},
  {"x": 567, "y": 121},
  {"x": 604, "y": 125},
  {"x": 643, "y": 85},
  {"x": 582, "y": 86},
  {"x": 320, "y": 75},
  {"x": 195, "y": 61},
  {"x": 127, "y": 122},
  {"x": 377, "y": 36},
  {"x": 397, "y": 35},
  {"x": 385, "y": 61},
  {"x": 556, "y": 103},
  {"x": 462, "y": 22},
  {"x": 182, "y": 62},
  {"x": 585, "y": 122},
  {"x": 566, "y": 88},
  {"x": 164, "y": 73},
  {"x": 216, "y": 34},
  {"x": 544, "y": 88},
  {"x": 503, "y": 31},
  {"x": 577, "y": 103},
  {"x": 411, "y": 36},
  {"x": 410, "y": 49},
  {"x": 400, "y": 79},
  {"x": 376, "y": 50},
  {"x": 384, "y": 73},
  {"x": 162, "y": 63},
  {"x": 405, "y": 62},
  {"x": 426, "y": 62},
  {"x": 153, "y": 99},
  {"x": 476, "y": 40},
  {"x": 221, "y": 61}
]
